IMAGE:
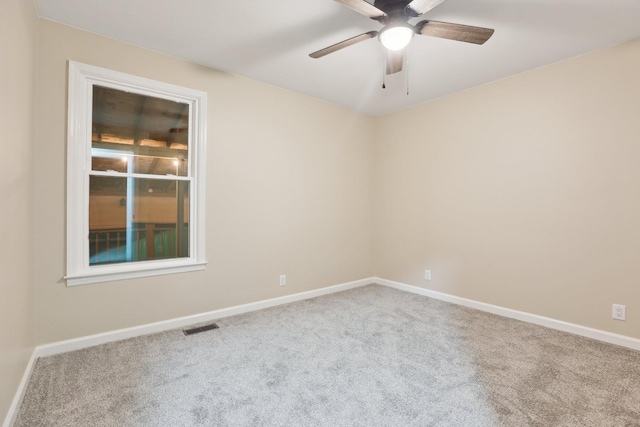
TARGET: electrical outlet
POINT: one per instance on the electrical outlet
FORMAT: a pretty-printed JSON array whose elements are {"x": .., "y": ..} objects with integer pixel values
[
  {"x": 427, "y": 275},
  {"x": 283, "y": 279},
  {"x": 619, "y": 312}
]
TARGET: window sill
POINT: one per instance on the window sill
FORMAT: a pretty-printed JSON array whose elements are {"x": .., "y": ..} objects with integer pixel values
[{"x": 147, "y": 269}]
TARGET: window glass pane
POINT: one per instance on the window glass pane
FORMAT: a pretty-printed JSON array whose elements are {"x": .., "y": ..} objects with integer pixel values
[
  {"x": 108, "y": 163},
  {"x": 139, "y": 133},
  {"x": 137, "y": 219}
]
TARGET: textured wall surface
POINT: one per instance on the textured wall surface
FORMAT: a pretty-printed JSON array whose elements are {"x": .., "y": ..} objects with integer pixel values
[
  {"x": 524, "y": 193},
  {"x": 18, "y": 35}
]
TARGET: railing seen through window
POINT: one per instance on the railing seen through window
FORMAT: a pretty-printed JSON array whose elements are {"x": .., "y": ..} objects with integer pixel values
[{"x": 148, "y": 241}]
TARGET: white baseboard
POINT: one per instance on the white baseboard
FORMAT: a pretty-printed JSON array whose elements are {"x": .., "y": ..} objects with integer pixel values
[
  {"x": 121, "y": 334},
  {"x": 597, "y": 334},
  {"x": 22, "y": 388}
]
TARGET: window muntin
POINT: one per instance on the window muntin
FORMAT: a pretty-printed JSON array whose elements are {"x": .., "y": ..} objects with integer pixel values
[{"x": 136, "y": 160}]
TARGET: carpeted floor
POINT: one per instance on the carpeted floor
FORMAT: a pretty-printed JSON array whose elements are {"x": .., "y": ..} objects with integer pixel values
[{"x": 371, "y": 356}]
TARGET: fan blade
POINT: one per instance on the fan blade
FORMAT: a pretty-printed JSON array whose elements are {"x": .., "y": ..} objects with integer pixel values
[
  {"x": 364, "y": 8},
  {"x": 345, "y": 43},
  {"x": 419, "y": 7},
  {"x": 461, "y": 33},
  {"x": 395, "y": 60}
]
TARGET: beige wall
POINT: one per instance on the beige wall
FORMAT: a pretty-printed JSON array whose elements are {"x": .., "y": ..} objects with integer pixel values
[
  {"x": 288, "y": 192},
  {"x": 524, "y": 193},
  {"x": 18, "y": 34}
]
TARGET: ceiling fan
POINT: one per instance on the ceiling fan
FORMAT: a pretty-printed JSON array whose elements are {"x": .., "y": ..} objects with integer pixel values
[{"x": 397, "y": 32}]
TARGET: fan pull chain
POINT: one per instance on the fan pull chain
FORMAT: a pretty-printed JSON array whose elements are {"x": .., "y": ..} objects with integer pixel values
[
  {"x": 384, "y": 68},
  {"x": 406, "y": 67}
]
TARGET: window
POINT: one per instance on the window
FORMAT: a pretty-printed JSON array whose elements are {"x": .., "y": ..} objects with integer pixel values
[{"x": 135, "y": 177}]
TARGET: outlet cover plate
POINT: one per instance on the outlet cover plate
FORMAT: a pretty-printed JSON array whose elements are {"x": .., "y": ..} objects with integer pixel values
[{"x": 619, "y": 312}]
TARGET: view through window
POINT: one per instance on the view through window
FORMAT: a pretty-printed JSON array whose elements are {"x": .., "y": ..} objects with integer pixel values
[{"x": 139, "y": 184}]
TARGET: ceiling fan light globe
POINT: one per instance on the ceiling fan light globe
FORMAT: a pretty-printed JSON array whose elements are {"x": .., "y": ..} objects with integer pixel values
[{"x": 395, "y": 38}]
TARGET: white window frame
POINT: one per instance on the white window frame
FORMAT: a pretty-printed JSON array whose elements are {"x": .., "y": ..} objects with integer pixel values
[{"x": 82, "y": 78}]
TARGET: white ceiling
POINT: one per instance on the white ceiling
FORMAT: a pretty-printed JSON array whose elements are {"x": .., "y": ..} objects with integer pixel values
[{"x": 270, "y": 41}]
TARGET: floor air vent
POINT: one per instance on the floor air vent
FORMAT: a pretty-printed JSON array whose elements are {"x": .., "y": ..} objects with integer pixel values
[{"x": 200, "y": 329}]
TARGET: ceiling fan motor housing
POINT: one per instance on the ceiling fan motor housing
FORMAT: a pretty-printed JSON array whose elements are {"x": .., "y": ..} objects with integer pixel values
[{"x": 393, "y": 8}]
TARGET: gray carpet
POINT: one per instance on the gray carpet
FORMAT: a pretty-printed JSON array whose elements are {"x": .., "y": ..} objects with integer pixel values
[{"x": 371, "y": 356}]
